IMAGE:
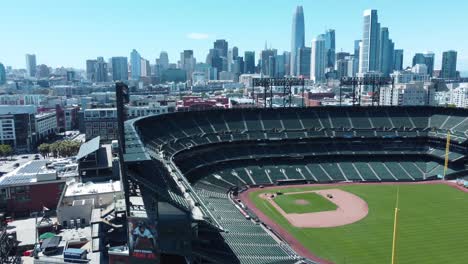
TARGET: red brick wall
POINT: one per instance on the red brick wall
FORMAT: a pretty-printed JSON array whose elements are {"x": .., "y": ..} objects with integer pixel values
[{"x": 38, "y": 196}]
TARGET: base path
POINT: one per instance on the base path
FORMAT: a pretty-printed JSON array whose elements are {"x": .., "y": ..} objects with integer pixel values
[
  {"x": 291, "y": 240},
  {"x": 351, "y": 208}
]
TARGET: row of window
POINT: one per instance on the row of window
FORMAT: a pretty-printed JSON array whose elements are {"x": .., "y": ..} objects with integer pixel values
[{"x": 101, "y": 125}]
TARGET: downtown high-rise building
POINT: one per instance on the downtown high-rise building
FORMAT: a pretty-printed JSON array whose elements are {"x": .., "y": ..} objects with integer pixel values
[
  {"x": 342, "y": 67},
  {"x": 119, "y": 68},
  {"x": 280, "y": 65},
  {"x": 357, "y": 47},
  {"x": 342, "y": 55},
  {"x": 215, "y": 60},
  {"x": 187, "y": 63},
  {"x": 369, "y": 49},
  {"x": 2, "y": 74},
  {"x": 249, "y": 62},
  {"x": 31, "y": 65},
  {"x": 318, "y": 59},
  {"x": 418, "y": 58},
  {"x": 429, "y": 61},
  {"x": 145, "y": 70},
  {"x": 303, "y": 62},
  {"x": 398, "y": 60},
  {"x": 330, "y": 46},
  {"x": 238, "y": 67},
  {"x": 221, "y": 45},
  {"x": 101, "y": 70},
  {"x": 297, "y": 38},
  {"x": 91, "y": 70},
  {"x": 267, "y": 61},
  {"x": 386, "y": 50},
  {"x": 449, "y": 65},
  {"x": 426, "y": 58},
  {"x": 235, "y": 52},
  {"x": 164, "y": 60},
  {"x": 135, "y": 62}
]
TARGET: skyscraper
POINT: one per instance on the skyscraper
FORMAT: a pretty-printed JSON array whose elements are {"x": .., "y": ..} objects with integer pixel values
[
  {"x": 426, "y": 58},
  {"x": 135, "y": 61},
  {"x": 101, "y": 70},
  {"x": 267, "y": 61},
  {"x": 330, "y": 47},
  {"x": 386, "y": 50},
  {"x": 222, "y": 46},
  {"x": 119, "y": 68},
  {"x": 249, "y": 62},
  {"x": 318, "y": 59},
  {"x": 2, "y": 74},
  {"x": 164, "y": 60},
  {"x": 342, "y": 55},
  {"x": 280, "y": 63},
  {"x": 418, "y": 58},
  {"x": 215, "y": 60},
  {"x": 297, "y": 38},
  {"x": 31, "y": 65},
  {"x": 303, "y": 62},
  {"x": 145, "y": 68},
  {"x": 449, "y": 65},
  {"x": 187, "y": 62},
  {"x": 342, "y": 67},
  {"x": 429, "y": 61},
  {"x": 235, "y": 52},
  {"x": 398, "y": 60},
  {"x": 238, "y": 67},
  {"x": 91, "y": 70},
  {"x": 357, "y": 46},
  {"x": 287, "y": 63},
  {"x": 369, "y": 49}
]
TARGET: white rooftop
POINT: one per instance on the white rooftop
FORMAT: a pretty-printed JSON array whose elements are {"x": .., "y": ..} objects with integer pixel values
[{"x": 78, "y": 188}]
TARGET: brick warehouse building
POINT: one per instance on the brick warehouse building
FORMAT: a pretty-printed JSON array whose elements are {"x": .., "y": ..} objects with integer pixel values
[{"x": 30, "y": 188}]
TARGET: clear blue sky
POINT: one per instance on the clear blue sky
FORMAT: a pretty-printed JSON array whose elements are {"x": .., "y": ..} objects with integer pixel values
[{"x": 66, "y": 33}]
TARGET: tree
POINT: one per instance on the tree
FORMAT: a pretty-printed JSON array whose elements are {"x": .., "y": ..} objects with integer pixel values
[
  {"x": 64, "y": 148},
  {"x": 5, "y": 150},
  {"x": 44, "y": 149}
]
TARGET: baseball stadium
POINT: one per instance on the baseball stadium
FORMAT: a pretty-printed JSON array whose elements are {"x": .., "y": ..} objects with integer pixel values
[{"x": 304, "y": 185}]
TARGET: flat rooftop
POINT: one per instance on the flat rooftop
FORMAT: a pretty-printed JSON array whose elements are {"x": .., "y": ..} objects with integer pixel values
[
  {"x": 31, "y": 172},
  {"x": 78, "y": 188}
]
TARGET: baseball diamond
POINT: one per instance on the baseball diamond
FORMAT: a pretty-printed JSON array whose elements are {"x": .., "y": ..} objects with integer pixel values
[{"x": 309, "y": 185}]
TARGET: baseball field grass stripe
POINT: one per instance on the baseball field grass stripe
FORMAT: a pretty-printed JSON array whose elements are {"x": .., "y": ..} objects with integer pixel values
[{"x": 432, "y": 220}]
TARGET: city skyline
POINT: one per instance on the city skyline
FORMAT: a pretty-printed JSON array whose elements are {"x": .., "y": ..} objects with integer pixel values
[{"x": 54, "y": 43}]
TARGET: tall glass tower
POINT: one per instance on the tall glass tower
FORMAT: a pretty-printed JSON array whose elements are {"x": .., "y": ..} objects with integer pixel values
[
  {"x": 135, "y": 62},
  {"x": 318, "y": 59},
  {"x": 330, "y": 47},
  {"x": 429, "y": 61},
  {"x": 2, "y": 74},
  {"x": 369, "y": 50},
  {"x": 31, "y": 64},
  {"x": 297, "y": 38},
  {"x": 449, "y": 65}
]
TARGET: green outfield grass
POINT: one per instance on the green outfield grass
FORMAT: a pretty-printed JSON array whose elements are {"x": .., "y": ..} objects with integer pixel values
[
  {"x": 316, "y": 203},
  {"x": 432, "y": 226}
]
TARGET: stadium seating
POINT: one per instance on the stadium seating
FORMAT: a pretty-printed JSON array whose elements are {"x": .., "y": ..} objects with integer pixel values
[{"x": 216, "y": 151}]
